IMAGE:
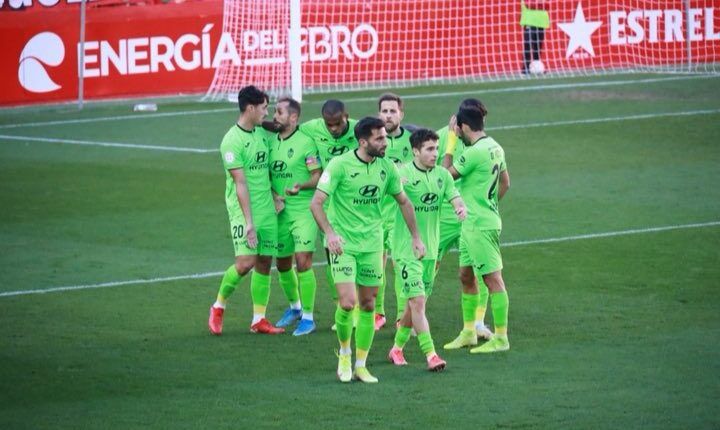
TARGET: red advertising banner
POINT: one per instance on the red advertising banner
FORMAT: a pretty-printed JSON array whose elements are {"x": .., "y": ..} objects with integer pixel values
[{"x": 156, "y": 49}]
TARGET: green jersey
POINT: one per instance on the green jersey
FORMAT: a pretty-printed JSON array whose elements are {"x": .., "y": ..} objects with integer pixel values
[
  {"x": 247, "y": 150},
  {"x": 329, "y": 146},
  {"x": 291, "y": 161},
  {"x": 427, "y": 190},
  {"x": 357, "y": 190},
  {"x": 399, "y": 152},
  {"x": 480, "y": 166}
]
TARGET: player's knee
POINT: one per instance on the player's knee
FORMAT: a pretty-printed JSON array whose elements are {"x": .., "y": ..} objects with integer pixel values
[
  {"x": 303, "y": 261},
  {"x": 243, "y": 265},
  {"x": 417, "y": 305},
  {"x": 284, "y": 264}
]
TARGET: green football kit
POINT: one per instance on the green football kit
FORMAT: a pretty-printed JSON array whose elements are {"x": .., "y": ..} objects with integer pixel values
[
  {"x": 480, "y": 166},
  {"x": 449, "y": 224},
  {"x": 249, "y": 150},
  {"x": 427, "y": 190},
  {"x": 291, "y": 161},
  {"x": 329, "y": 146},
  {"x": 356, "y": 190}
]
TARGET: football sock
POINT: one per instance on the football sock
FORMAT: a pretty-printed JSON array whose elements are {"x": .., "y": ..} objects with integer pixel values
[
  {"x": 260, "y": 293},
  {"x": 426, "y": 343},
  {"x": 364, "y": 333},
  {"x": 343, "y": 325},
  {"x": 402, "y": 336},
  {"x": 500, "y": 304},
  {"x": 483, "y": 295},
  {"x": 308, "y": 286},
  {"x": 330, "y": 283},
  {"x": 469, "y": 305},
  {"x": 289, "y": 285},
  {"x": 230, "y": 281}
]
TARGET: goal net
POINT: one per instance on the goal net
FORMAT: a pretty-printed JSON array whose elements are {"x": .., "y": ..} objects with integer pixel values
[{"x": 360, "y": 44}]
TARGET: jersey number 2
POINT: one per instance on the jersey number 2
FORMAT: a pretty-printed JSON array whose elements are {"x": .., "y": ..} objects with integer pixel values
[{"x": 493, "y": 186}]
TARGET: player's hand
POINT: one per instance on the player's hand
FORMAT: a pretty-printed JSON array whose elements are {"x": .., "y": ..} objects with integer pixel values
[
  {"x": 251, "y": 235},
  {"x": 461, "y": 213},
  {"x": 418, "y": 248},
  {"x": 293, "y": 191},
  {"x": 334, "y": 244},
  {"x": 279, "y": 203},
  {"x": 452, "y": 123}
]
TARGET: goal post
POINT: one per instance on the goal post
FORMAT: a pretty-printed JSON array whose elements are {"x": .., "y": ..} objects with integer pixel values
[{"x": 295, "y": 47}]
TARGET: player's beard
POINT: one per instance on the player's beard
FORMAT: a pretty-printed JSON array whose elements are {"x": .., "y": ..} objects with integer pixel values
[
  {"x": 279, "y": 127},
  {"x": 376, "y": 152},
  {"x": 390, "y": 127}
]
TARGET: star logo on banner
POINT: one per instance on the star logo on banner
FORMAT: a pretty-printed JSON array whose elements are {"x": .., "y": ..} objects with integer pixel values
[{"x": 579, "y": 32}]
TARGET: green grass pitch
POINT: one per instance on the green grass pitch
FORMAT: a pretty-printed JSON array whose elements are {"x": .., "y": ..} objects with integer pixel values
[{"x": 616, "y": 331}]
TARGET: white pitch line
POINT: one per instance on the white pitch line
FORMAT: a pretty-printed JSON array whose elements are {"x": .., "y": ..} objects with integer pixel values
[
  {"x": 110, "y": 144},
  {"x": 498, "y": 128},
  {"x": 361, "y": 99},
  {"x": 607, "y": 119},
  {"x": 322, "y": 263}
]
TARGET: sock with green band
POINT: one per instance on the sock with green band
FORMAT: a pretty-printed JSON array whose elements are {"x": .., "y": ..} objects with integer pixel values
[
  {"x": 231, "y": 279},
  {"x": 483, "y": 294},
  {"x": 308, "y": 286},
  {"x": 289, "y": 285},
  {"x": 259, "y": 291},
  {"x": 402, "y": 336},
  {"x": 426, "y": 343},
  {"x": 500, "y": 305},
  {"x": 469, "y": 304},
  {"x": 343, "y": 325},
  {"x": 365, "y": 330}
]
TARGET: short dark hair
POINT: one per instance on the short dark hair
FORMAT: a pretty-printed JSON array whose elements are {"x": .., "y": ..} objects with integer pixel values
[
  {"x": 293, "y": 105},
  {"x": 364, "y": 127},
  {"x": 390, "y": 97},
  {"x": 251, "y": 95},
  {"x": 473, "y": 117},
  {"x": 332, "y": 107},
  {"x": 420, "y": 136}
]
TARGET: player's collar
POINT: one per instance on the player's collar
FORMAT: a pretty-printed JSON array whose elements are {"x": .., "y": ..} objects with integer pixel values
[
  {"x": 240, "y": 127},
  {"x": 479, "y": 139},
  {"x": 291, "y": 135},
  {"x": 420, "y": 169},
  {"x": 402, "y": 131},
  {"x": 361, "y": 160}
]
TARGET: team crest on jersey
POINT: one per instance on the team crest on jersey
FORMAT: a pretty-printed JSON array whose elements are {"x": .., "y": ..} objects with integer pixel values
[
  {"x": 291, "y": 152},
  {"x": 440, "y": 183},
  {"x": 382, "y": 175},
  {"x": 229, "y": 157},
  {"x": 405, "y": 152}
]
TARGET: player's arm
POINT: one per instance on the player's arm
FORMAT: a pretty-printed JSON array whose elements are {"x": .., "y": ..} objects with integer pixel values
[
  {"x": 447, "y": 158},
  {"x": 408, "y": 213},
  {"x": 504, "y": 184},
  {"x": 334, "y": 242},
  {"x": 312, "y": 163},
  {"x": 243, "y": 196}
]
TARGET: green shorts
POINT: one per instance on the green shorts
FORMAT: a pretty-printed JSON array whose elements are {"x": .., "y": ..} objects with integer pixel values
[
  {"x": 481, "y": 250},
  {"x": 267, "y": 232},
  {"x": 449, "y": 234},
  {"x": 360, "y": 268},
  {"x": 297, "y": 232},
  {"x": 414, "y": 277}
]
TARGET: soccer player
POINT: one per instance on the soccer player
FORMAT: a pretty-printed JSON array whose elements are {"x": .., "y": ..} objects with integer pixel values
[
  {"x": 426, "y": 186},
  {"x": 253, "y": 221},
  {"x": 485, "y": 180},
  {"x": 333, "y": 135},
  {"x": 356, "y": 183},
  {"x": 391, "y": 111},
  {"x": 449, "y": 225},
  {"x": 294, "y": 173}
]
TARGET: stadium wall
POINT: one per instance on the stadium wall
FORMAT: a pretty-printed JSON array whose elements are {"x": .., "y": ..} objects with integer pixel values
[{"x": 167, "y": 49}]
